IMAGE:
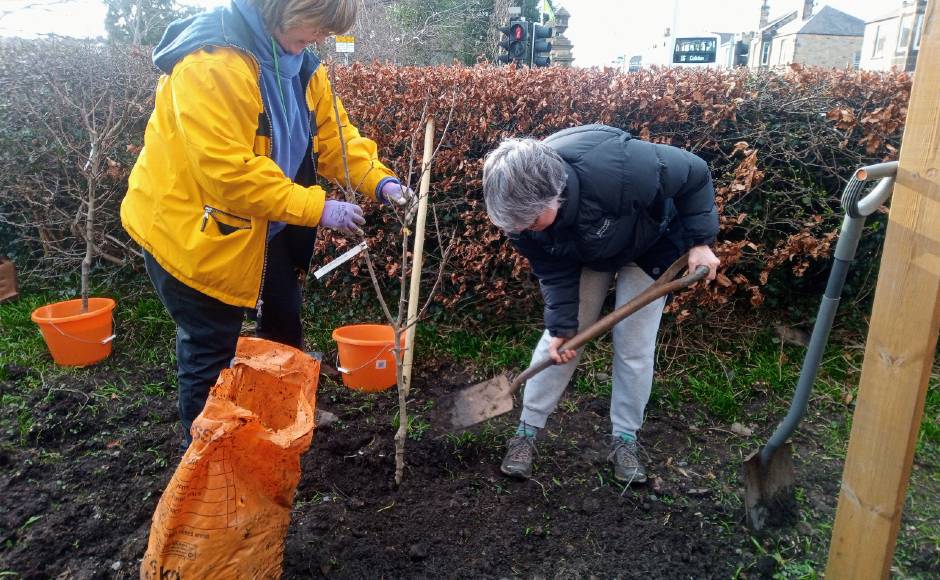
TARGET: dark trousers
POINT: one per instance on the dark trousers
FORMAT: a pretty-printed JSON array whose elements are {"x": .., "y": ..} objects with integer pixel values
[{"x": 207, "y": 329}]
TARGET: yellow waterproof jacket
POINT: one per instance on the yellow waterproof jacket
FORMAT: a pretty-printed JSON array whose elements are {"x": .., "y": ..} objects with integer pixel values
[{"x": 204, "y": 189}]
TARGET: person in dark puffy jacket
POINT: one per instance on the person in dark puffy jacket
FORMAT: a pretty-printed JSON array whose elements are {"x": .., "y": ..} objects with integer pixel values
[{"x": 590, "y": 207}]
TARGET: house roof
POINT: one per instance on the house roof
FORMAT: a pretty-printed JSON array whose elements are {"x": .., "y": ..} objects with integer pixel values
[
  {"x": 896, "y": 13},
  {"x": 828, "y": 21},
  {"x": 724, "y": 37},
  {"x": 778, "y": 22}
]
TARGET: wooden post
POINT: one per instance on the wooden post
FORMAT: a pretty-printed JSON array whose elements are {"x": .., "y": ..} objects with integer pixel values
[
  {"x": 901, "y": 341},
  {"x": 418, "y": 253}
]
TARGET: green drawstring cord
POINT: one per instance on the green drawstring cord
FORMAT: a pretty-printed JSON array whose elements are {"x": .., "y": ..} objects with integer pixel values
[{"x": 280, "y": 90}]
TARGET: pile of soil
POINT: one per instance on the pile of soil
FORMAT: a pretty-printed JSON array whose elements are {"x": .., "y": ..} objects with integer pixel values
[
  {"x": 456, "y": 515},
  {"x": 79, "y": 485}
]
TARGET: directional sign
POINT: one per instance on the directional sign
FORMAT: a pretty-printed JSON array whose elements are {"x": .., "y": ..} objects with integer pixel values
[{"x": 345, "y": 44}]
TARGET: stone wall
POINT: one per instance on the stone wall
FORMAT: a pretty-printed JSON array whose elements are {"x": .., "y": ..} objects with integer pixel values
[{"x": 827, "y": 50}]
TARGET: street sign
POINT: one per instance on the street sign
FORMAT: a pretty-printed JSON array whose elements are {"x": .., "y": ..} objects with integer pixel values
[{"x": 345, "y": 44}]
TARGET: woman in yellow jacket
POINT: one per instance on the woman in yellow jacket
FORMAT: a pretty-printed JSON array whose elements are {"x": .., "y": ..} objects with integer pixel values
[{"x": 224, "y": 197}]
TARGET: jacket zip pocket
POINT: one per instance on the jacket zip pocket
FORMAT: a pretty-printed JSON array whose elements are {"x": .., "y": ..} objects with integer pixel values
[{"x": 226, "y": 222}]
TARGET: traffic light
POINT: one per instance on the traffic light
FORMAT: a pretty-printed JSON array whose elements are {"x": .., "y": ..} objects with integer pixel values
[
  {"x": 516, "y": 43},
  {"x": 541, "y": 47}
]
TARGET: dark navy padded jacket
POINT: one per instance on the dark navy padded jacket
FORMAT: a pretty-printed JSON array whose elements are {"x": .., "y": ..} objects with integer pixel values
[{"x": 626, "y": 200}]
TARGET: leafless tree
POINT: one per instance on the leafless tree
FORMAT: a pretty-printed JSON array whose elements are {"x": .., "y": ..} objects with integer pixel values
[
  {"x": 424, "y": 32},
  {"x": 402, "y": 320},
  {"x": 79, "y": 116}
]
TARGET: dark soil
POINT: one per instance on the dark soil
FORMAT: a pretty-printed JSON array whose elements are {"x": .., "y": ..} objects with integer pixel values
[
  {"x": 457, "y": 516},
  {"x": 79, "y": 485}
]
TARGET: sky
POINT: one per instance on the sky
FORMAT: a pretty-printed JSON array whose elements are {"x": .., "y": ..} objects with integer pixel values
[{"x": 601, "y": 30}]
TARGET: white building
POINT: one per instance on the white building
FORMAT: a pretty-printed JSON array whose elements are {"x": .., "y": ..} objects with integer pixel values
[
  {"x": 893, "y": 40},
  {"x": 829, "y": 38}
]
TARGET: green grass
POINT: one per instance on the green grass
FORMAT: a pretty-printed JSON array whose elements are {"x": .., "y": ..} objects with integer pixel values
[
  {"x": 143, "y": 330},
  {"x": 417, "y": 425},
  {"x": 494, "y": 349},
  {"x": 20, "y": 341},
  {"x": 720, "y": 380},
  {"x": 491, "y": 349},
  {"x": 929, "y": 440},
  {"x": 22, "y": 346},
  {"x": 144, "y": 323},
  {"x": 141, "y": 325}
]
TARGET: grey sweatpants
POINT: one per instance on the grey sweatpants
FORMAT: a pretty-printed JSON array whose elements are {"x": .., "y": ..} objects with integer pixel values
[{"x": 634, "y": 341}]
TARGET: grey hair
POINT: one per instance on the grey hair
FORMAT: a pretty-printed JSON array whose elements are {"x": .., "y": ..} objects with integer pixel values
[{"x": 521, "y": 179}]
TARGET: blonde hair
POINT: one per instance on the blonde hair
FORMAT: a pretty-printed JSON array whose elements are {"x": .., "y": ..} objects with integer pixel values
[{"x": 332, "y": 16}]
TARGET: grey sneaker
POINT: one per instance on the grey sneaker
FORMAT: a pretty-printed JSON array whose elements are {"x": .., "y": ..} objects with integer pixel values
[
  {"x": 625, "y": 460},
  {"x": 520, "y": 451}
]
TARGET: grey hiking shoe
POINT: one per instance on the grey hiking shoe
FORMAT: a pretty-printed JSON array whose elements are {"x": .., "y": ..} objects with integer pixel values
[
  {"x": 520, "y": 451},
  {"x": 624, "y": 458}
]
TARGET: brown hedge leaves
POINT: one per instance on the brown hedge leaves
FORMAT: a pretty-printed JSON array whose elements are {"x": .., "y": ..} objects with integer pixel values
[{"x": 780, "y": 146}]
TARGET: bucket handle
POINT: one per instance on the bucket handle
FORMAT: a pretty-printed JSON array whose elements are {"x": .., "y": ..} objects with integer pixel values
[
  {"x": 104, "y": 340},
  {"x": 346, "y": 371}
]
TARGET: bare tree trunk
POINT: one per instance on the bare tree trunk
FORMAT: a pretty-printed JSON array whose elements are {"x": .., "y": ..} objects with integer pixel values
[
  {"x": 89, "y": 246},
  {"x": 498, "y": 19},
  {"x": 91, "y": 167},
  {"x": 402, "y": 434},
  {"x": 138, "y": 22}
]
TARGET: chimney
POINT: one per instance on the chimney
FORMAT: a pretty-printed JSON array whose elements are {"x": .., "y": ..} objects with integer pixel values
[
  {"x": 807, "y": 9},
  {"x": 764, "y": 14}
]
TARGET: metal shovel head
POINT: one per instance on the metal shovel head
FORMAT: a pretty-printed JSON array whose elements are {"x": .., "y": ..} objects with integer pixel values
[
  {"x": 477, "y": 403},
  {"x": 768, "y": 489}
]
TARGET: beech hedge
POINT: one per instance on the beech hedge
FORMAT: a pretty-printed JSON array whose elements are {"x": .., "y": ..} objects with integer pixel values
[{"x": 781, "y": 146}]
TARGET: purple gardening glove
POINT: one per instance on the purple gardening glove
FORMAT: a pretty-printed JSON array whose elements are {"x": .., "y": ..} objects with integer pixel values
[
  {"x": 395, "y": 193},
  {"x": 341, "y": 215}
]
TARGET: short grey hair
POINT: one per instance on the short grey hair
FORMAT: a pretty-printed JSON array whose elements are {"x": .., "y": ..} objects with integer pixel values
[{"x": 521, "y": 179}]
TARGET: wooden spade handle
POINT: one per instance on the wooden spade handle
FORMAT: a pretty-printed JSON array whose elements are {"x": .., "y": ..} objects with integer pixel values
[{"x": 661, "y": 287}]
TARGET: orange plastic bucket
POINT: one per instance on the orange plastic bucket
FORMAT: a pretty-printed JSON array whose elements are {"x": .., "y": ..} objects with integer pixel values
[
  {"x": 76, "y": 338},
  {"x": 366, "y": 356}
]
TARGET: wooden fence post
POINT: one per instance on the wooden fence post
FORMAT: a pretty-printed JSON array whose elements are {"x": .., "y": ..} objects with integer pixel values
[{"x": 901, "y": 344}]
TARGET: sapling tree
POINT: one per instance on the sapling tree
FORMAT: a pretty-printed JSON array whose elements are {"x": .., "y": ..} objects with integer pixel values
[
  {"x": 402, "y": 318},
  {"x": 84, "y": 120}
]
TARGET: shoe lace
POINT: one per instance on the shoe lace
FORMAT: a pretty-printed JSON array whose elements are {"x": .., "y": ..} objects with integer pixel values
[
  {"x": 521, "y": 448},
  {"x": 624, "y": 453}
]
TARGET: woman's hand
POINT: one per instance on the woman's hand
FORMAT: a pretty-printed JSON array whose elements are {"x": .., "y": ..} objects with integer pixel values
[
  {"x": 341, "y": 215},
  {"x": 703, "y": 256},
  {"x": 563, "y": 356},
  {"x": 395, "y": 193}
]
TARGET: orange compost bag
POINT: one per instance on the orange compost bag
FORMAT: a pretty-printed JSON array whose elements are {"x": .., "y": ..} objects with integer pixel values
[{"x": 226, "y": 510}]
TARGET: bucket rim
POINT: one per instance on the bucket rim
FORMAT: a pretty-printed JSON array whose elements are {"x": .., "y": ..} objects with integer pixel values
[
  {"x": 101, "y": 306},
  {"x": 338, "y": 335}
]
